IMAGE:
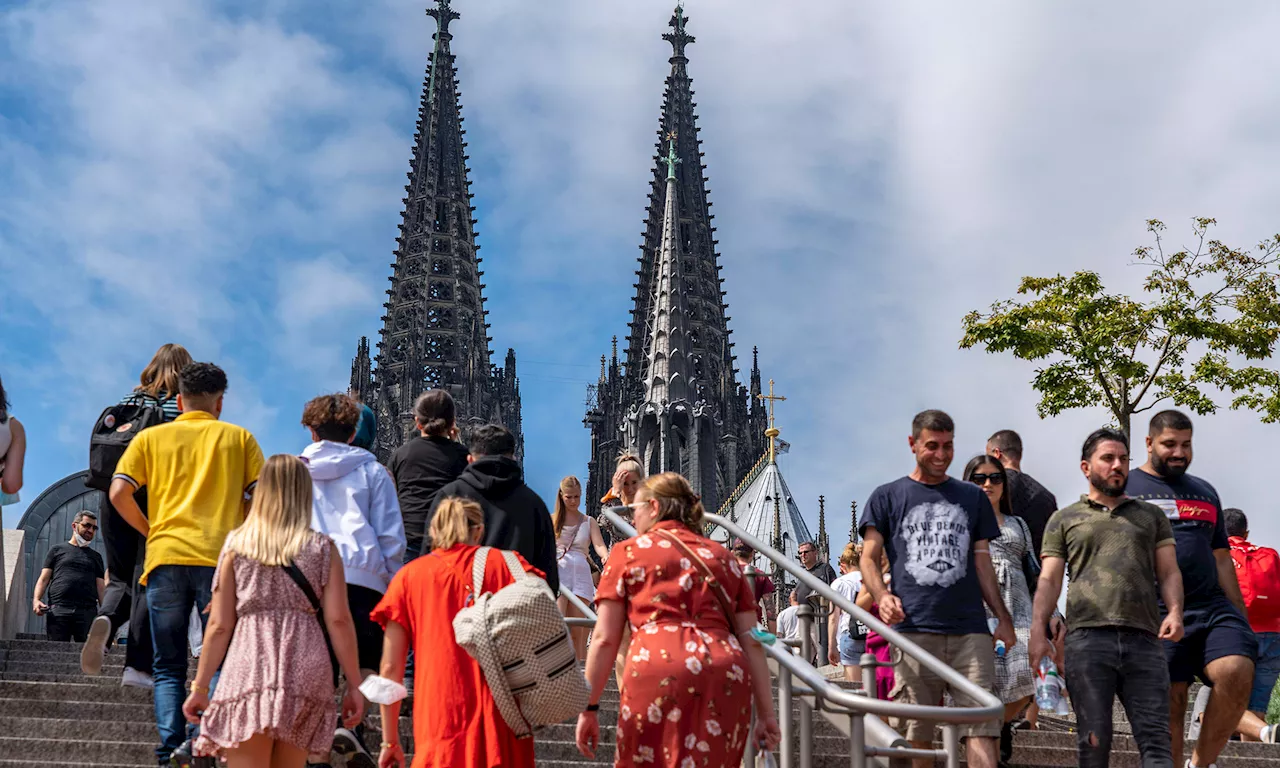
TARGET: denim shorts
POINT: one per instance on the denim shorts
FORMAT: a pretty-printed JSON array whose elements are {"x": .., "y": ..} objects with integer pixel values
[
  {"x": 1266, "y": 672},
  {"x": 1211, "y": 632},
  {"x": 851, "y": 650}
]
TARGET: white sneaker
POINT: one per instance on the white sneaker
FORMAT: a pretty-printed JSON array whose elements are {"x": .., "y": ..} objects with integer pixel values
[
  {"x": 95, "y": 646},
  {"x": 134, "y": 679},
  {"x": 1193, "y": 765}
]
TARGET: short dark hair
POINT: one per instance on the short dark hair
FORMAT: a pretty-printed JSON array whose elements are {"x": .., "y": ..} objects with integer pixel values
[
  {"x": 932, "y": 420},
  {"x": 82, "y": 514},
  {"x": 1170, "y": 419},
  {"x": 333, "y": 417},
  {"x": 199, "y": 379},
  {"x": 435, "y": 411},
  {"x": 1236, "y": 522},
  {"x": 806, "y": 544},
  {"x": 491, "y": 440},
  {"x": 1007, "y": 442},
  {"x": 1101, "y": 436}
]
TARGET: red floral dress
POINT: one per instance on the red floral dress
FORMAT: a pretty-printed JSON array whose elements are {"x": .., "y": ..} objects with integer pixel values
[{"x": 686, "y": 689}]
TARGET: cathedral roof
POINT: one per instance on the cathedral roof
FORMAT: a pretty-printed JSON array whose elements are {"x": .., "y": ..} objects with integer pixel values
[{"x": 754, "y": 505}]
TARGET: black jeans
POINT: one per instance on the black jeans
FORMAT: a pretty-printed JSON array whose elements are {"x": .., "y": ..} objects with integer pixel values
[
  {"x": 1104, "y": 662},
  {"x": 68, "y": 624},
  {"x": 125, "y": 600}
]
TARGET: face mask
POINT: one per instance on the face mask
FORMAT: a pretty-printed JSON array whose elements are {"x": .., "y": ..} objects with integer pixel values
[{"x": 79, "y": 540}]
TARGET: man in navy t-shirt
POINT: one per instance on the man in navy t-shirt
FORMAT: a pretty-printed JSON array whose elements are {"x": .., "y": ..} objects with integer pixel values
[
  {"x": 935, "y": 531},
  {"x": 1218, "y": 645}
]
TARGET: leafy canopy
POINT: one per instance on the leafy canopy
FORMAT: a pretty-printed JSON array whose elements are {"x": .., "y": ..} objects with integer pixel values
[{"x": 1207, "y": 318}]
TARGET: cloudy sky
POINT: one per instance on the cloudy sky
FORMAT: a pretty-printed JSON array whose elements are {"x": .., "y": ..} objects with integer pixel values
[{"x": 228, "y": 175}]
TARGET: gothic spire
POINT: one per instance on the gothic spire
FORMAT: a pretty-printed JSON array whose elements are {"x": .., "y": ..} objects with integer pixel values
[
  {"x": 434, "y": 333},
  {"x": 823, "y": 546},
  {"x": 666, "y": 370},
  {"x": 853, "y": 521}
]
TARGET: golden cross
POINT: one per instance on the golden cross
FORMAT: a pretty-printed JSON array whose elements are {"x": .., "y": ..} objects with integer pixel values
[{"x": 771, "y": 399}]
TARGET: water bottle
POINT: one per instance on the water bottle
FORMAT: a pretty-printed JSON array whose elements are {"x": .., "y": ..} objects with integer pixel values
[
  {"x": 1000, "y": 649},
  {"x": 1048, "y": 686}
]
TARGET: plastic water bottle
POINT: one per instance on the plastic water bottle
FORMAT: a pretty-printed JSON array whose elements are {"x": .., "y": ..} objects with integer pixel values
[
  {"x": 1048, "y": 686},
  {"x": 1000, "y": 649}
]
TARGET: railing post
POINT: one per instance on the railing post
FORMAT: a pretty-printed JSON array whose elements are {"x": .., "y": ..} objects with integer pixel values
[
  {"x": 857, "y": 741},
  {"x": 805, "y": 615},
  {"x": 869, "y": 668},
  {"x": 787, "y": 745},
  {"x": 749, "y": 759},
  {"x": 951, "y": 744}
]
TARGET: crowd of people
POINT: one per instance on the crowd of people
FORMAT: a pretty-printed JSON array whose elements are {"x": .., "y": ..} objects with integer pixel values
[{"x": 327, "y": 577}]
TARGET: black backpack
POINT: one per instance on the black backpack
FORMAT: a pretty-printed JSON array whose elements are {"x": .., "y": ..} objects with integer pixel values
[{"x": 113, "y": 432}]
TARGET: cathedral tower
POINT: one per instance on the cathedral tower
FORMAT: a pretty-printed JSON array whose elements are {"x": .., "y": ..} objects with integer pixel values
[
  {"x": 434, "y": 334},
  {"x": 676, "y": 403}
]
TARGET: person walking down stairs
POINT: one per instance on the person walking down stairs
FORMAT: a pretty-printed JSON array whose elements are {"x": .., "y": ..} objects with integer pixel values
[
  {"x": 72, "y": 583},
  {"x": 279, "y": 592}
]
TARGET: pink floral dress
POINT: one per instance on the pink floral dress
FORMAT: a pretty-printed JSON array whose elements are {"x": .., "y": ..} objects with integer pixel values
[
  {"x": 686, "y": 688},
  {"x": 277, "y": 678}
]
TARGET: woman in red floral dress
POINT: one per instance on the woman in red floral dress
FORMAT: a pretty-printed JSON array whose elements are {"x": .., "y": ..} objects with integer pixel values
[{"x": 686, "y": 691}]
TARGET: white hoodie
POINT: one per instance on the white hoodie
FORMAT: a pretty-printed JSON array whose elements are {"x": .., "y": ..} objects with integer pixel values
[{"x": 354, "y": 503}]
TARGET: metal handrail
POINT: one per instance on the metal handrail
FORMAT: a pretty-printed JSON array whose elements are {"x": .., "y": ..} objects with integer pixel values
[{"x": 588, "y": 616}]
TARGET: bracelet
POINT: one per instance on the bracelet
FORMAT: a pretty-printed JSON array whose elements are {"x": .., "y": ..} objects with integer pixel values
[
  {"x": 593, "y": 708},
  {"x": 388, "y": 745},
  {"x": 198, "y": 688}
]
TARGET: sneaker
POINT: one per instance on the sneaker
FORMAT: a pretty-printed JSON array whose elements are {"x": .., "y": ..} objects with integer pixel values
[
  {"x": 132, "y": 678},
  {"x": 1269, "y": 735},
  {"x": 95, "y": 647},
  {"x": 347, "y": 745}
]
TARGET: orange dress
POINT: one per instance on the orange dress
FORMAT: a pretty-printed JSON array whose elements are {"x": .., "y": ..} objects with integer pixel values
[
  {"x": 686, "y": 689},
  {"x": 456, "y": 723}
]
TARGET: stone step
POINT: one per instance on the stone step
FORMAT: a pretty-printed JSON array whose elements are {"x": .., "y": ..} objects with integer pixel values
[
  {"x": 78, "y": 711},
  {"x": 82, "y": 751},
  {"x": 13, "y": 689}
]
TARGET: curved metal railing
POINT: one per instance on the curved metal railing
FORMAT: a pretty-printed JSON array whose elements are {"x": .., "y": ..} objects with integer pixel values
[{"x": 870, "y": 737}]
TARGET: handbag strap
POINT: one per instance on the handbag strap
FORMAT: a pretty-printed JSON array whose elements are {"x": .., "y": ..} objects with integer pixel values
[
  {"x": 300, "y": 579},
  {"x": 716, "y": 587},
  {"x": 482, "y": 559}
]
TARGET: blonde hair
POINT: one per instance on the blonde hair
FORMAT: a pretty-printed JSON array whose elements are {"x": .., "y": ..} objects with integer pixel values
[
  {"x": 852, "y": 552},
  {"x": 279, "y": 521},
  {"x": 161, "y": 374},
  {"x": 562, "y": 509},
  {"x": 676, "y": 499},
  {"x": 631, "y": 464},
  {"x": 453, "y": 521}
]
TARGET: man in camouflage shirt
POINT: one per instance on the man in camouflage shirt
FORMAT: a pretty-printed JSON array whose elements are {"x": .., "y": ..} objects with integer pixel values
[{"x": 1117, "y": 548}]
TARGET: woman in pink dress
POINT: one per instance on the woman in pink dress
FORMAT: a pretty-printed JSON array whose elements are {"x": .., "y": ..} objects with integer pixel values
[
  {"x": 274, "y": 702},
  {"x": 688, "y": 684}
]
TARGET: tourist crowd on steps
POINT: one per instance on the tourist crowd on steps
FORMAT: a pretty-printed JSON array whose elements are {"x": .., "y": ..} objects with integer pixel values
[{"x": 316, "y": 578}]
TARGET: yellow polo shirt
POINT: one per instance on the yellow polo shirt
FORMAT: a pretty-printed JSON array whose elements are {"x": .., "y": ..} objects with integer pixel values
[{"x": 197, "y": 471}]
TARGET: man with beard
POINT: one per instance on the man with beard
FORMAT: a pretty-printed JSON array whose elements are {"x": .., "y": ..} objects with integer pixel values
[
  {"x": 1117, "y": 548},
  {"x": 1218, "y": 647}
]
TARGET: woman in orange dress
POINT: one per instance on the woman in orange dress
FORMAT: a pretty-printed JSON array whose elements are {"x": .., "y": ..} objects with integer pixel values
[
  {"x": 456, "y": 723},
  {"x": 686, "y": 693}
]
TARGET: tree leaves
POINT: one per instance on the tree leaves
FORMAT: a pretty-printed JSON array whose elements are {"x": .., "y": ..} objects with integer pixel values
[{"x": 1130, "y": 354}]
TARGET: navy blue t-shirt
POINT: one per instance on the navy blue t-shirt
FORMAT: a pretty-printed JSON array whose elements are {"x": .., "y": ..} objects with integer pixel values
[
  {"x": 929, "y": 531},
  {"x": 1195, "y": 514}
]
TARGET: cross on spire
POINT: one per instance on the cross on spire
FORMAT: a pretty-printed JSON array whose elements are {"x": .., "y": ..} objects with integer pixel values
[
  {"x": 772, "y": 432},
  {"x": 443, "y": 14},
  {"x": 678, "y": 38}
]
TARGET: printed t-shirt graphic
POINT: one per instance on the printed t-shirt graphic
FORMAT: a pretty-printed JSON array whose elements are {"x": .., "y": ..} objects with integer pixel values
[
  {"x": 929, "y": 532},
  {"x": 1195, "y": 514}
]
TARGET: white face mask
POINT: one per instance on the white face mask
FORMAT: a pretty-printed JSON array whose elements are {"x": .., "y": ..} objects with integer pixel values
[{"x": 79, "y": 540}]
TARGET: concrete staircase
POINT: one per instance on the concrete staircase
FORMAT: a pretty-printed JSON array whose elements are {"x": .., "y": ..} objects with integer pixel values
[{"x": 51, "y": 714}]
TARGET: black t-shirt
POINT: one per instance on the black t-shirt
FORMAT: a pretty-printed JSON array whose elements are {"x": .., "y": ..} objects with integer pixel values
[
  {"x": 420, "y": 468},
  {"x": 76, "y": 571},
  {"x": 1032, "y": 502},
  {"x": 1195, "y": 513},
  {"x": 823, "y": 571},
  {"x": 929, "y": 532}
]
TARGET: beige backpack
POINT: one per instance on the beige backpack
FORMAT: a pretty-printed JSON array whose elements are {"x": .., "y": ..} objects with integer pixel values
[{"x": 520, "y": 639}]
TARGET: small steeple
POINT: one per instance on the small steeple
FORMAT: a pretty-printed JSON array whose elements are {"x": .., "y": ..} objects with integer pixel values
[
  {"x": 823, "y": 549},
  {"x": 678, "y": 37},
  {"x": 667, "y": 374},
  {"x": 853, "y": 521}
]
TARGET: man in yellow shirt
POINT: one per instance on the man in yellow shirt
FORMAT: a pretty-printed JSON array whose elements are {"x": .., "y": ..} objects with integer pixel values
[{"x": 198, "y": 472}]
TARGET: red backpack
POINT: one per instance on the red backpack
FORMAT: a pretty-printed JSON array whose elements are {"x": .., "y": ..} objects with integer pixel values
[{"x": 1258, "y": 571}]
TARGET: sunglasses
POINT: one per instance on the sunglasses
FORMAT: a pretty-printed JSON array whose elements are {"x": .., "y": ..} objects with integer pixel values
[
  {"x": 90, "y": 526},
  {"x": 980, "y": 479}
]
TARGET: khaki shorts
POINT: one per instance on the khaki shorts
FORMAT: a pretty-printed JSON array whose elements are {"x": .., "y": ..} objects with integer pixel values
[{"x": 971, "y": 655}]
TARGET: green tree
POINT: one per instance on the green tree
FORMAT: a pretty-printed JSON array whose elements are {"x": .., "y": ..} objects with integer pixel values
[{"x": 1206, "y": 317}]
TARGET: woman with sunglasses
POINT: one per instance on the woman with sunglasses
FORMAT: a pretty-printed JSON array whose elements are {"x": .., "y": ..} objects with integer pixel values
[{"x": 1014, "y": 680}]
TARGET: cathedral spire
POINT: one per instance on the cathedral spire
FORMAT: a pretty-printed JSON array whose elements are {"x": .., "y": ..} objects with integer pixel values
[
  {"x": 666, "y": 371},
  {"x": 434, "y": 333},
  {"x": 823, "y": 546},
  {"x": 678, "y": 37}
]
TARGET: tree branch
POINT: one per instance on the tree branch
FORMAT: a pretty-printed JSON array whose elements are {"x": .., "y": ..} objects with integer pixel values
[
  {"x": 1097, "y": 370},
  {"x": 1155, "y": 369}
]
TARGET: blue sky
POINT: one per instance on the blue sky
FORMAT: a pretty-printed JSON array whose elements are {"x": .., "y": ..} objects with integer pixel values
[{"x": 228, "y": 175}]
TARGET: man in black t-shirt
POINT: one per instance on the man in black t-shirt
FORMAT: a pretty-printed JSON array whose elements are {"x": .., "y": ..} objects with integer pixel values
[
  {"x": 936, "y": 530},
  {"x": 71, "y": 584},
  {"x": 808, "y": 553},
  {"x": 1029, "y": 500},
  {"x": 1218, "y": 645}
]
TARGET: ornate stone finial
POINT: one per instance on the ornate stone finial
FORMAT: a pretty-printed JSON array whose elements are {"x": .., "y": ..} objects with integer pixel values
[
  {"x": 678, "y": 37},
  {"x": 443, "y": 14},
  {"x": 823, "y": 549},
  {"x": 853, "y": 521},
  {"x": 772, "y": 432},
  {"x": 671, "y": 159}
]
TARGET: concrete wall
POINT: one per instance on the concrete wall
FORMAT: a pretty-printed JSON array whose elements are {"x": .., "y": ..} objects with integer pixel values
[{"x": 17, "y": 593}]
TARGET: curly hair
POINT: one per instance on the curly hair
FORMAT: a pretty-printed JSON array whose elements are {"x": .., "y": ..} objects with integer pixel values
[
  {"x": 333, "y": 417},
  {"x": 202, "y": 379},
  {"x": 676, "y": 499}
]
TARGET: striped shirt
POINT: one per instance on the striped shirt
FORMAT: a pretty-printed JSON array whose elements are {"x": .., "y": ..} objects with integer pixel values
[{"x": 168, "y": 403}]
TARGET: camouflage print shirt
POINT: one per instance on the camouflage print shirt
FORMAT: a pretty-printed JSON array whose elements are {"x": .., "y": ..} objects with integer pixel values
[{"x": 1111, "y": 562}]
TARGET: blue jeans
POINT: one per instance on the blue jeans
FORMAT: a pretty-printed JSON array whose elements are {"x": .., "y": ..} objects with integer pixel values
[
  {"x": 1105, "y": 662},
  {"x": 1266, "y": 671},
  {"x": 172, "y": 591}
]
